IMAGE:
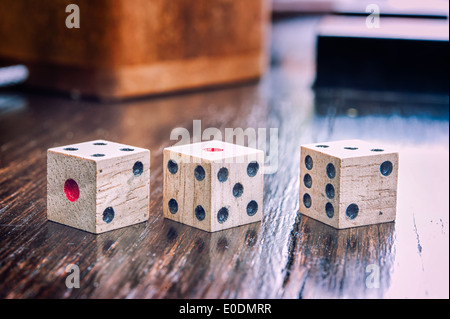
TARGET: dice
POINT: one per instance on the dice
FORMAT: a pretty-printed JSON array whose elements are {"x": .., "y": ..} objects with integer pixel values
[
  {"x": 213, "y": 185},
  {"x": 348, "y": 183},
  {"x": 98, "y": 186}
]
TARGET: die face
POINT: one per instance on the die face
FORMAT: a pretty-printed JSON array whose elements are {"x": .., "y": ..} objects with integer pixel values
[
  {"x": 320, "y": 186},
  {"x": 199, "y": 193},
  {"x": 187, "y": 190},
  {"x": 113, "y": 189},
  {"x": 237, "y": 192},
  {"x": 214, "y": 151},
  {"x": 71, "y": 191},
  {"x": 349, "y": 149},
  {"x": 97, "y": 150},
  {"x": 361, "y": 176},
  {"x": 369, "y": 187},
  {"x": 123, "y": 190}
]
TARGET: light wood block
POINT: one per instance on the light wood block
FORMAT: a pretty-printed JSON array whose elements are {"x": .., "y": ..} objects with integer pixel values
[
  {"x": 98, "y": 186},
  {"x": 364, "y": 183},
  {"x": 208, "y": 185}
]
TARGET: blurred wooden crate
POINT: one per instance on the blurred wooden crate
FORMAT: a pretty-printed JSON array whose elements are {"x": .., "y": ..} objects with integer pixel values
[{"x": 127, "y": 48}]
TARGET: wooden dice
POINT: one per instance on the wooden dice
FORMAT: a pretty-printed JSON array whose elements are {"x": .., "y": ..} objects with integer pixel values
[
  {"x": 213, "y": 185},
  {"x": 348, "y": 183},
  {"x": 98, "y": 186}
]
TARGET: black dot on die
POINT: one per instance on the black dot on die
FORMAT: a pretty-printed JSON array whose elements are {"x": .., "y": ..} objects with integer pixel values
[
  {"x": 308, "y": 162},
  {"x": 172, "y": 166},
  {"x": 329, "y": 191},
  {"x": 331, "y": 171},
  {"x": 200, "y": 213},
  {"x": 252, "y": 208},
  {"x": 173, "y": 206},
  {"x": 307, "y": 180},
  {"x": 138, "y": 168},
  {"x": 307, "y": 200},
  {"x": 329, "y": 210},
  {"x": 222, "y": 215},
  {"x": 71, "y": 149},
  {"x": 108, "y": 215},
  {"x": 222, "y": 175},
  {"x": 386, "y": 168},
  {"x": 352, "y": 211},
  {"x": 252, "y": 169},
  {"x": 238, "y": 190},
  {"x": 199, "y": 173}
]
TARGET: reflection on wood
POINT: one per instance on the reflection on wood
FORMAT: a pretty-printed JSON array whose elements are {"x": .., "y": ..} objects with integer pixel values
[{"x": 330, "y": 263}]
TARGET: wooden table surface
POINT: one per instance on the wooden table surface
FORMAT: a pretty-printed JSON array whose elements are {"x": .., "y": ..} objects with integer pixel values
[{"x": 287, "y": 255}]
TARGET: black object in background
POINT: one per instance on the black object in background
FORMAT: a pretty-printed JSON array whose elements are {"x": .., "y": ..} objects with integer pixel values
[{"x": 403, "y": 55}]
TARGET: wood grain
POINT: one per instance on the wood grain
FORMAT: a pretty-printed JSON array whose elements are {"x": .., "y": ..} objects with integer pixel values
[{"x": 286, "y": 255}]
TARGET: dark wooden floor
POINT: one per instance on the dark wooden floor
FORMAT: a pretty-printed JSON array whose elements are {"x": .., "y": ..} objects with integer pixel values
[{"x": 287, "y": 255}]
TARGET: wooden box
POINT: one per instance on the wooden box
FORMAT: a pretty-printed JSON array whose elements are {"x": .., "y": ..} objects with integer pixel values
[{"x": 128, "y": 48}]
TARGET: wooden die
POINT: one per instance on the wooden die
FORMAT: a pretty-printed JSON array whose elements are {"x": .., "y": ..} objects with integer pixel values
[
  {"x": 213, "y": 185},
  {"x": 348, "y": 183},
  {"x": 98, "y": 186}
]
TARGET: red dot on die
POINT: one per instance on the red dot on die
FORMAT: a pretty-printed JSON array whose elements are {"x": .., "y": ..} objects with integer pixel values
[
  {"x": 71, "y": 190},
  {"x": 213, "y": 149}
]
